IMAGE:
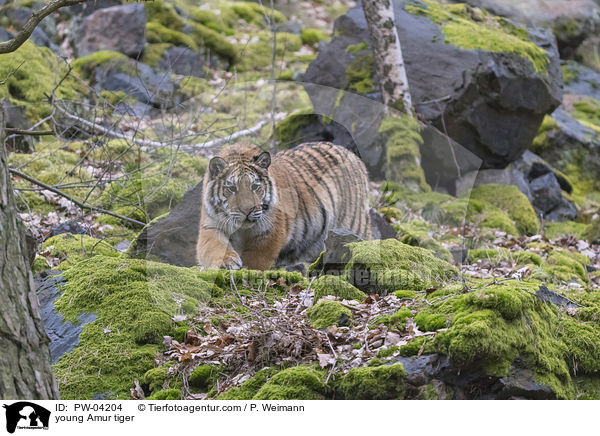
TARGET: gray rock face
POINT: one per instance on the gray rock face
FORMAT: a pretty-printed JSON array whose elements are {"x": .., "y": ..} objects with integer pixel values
[
  {"x": 182, "y": 60},
  {"x": 571, "y": 21},
  {"x": 64, "y": 336},
  {"x": 491, "y": 103},
  {"x": 546, "y": 192},
  {"x": 4, "y": 34},
  {"x": 142, "y": 83},
  {"x": 14, "y": 117},
  {"x": 118, "y": 28}
]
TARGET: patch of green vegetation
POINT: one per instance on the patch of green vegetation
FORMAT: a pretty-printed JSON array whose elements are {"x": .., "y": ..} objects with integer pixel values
[
  {"x": 412, "y": 235},
  {"x": 396, "y": 321},
  {"x": 86, "y": 65},
  {"x": 389, "y": 352},
  {"x": 71, "y": 249},
  {"x": 540, "y": 142},
  {"x": 373, "y": 383},
  {"x": 287, "y": 131},
  {"x": 359, "y": 75},
  {"x": 211, "y": 20},
  {"x": 313, "y": 36},
  {"x": 297, "y": 383},
  {"x": 215, "y": 42},
  {"x": 155, "y": 378},
  {"x": 115, "y": 97},
  {"x": 430, "y": 322},
  {"x": 382, "y": 266},
  {"x": 338, "y": 287},
  {"x": 204, "y": 377},
  {"x": 355, "y": 48},
  {"x": 157, "y": 33},
  {"x": 327, "y": 313},
  {"x": 164, "y": 14},
  {"x": 587, "y": 111},
  {"x": 593, "y": 232},
  {"x": 489, "y": 33},
  {"x": 513, "y": 202},
  {"x": 553, "y": 230},
  {"x": 153, "y": 53},
  {"x": 405, "y": 294},
  {"x": 248, "y": 389},
  {"x": 257, "y": 55},
  {"x": 402, "y": 139},
  {"x": 133, "y": 301},
  {"x": 29, "y": 76},
  {"x": 570, "y": 72},
  {"x": 413, "y": 347},
  {"x": 254, "y": 13},
  {"x": 565, "y": 266}
]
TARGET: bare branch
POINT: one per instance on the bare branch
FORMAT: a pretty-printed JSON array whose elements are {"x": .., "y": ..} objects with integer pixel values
[
  {"x": 71, "y": 199},
  {"x": 35, "y": 19},
  {"x": 29, "y": 132}
]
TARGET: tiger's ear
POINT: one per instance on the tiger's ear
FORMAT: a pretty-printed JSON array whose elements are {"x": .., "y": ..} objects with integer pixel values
[
  {"x": 263, "y": 160},
  {"x": 216, "y": 165}
]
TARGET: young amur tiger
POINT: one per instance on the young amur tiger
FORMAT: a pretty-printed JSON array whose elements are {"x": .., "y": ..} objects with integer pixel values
[{"x": 259, "y": 212}]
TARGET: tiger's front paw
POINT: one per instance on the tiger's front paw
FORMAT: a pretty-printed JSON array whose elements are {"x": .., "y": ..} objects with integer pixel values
[{"x": 232, "y": 261}]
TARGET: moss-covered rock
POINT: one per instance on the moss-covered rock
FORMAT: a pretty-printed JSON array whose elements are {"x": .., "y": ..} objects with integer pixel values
[
  {"x": 134, "y": 301},
  {"x": 553, "y": 230},
  {"x": 297, "y": 383},
  {"x": 327, "y": 313},
  {"x": 70, "y": 249},
  {"x": 248, "y": 389},
  {"x": 387, "y": 265},
  {"x": 166, "y": 394},
  {"x": 513, "y": 202},
  {"x": 395, "y": 321},
  {"x": 373, "y": 383},
  {"x": 312, "y": 36},
  {"x": 487, "y": 32},
  {"x": 338, "y": 287},
  {"x": 203, "y": 377}
]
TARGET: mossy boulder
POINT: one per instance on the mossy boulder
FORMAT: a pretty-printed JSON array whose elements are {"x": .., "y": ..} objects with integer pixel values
[
  {"x": 297, "y": 383},
  {"x": 248, "y": 389},
  {"x": 387, "y": 265},
  {"x": 134, "y": 301},
  {"x": 338, "y": 287},
  {"x": 511, "y": 201},
  {"x": 328, "y": 313},
  {"x": 373, "y": 383},
  {"x": 70, "y": 249},
  {"x": 203, "y": 377},
  {"x": 451, "y": 41}
]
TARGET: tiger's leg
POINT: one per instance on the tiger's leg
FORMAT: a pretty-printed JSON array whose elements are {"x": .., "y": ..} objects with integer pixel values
[{"x": 215, "y": 251}]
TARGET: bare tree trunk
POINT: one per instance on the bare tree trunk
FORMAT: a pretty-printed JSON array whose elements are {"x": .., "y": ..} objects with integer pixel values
[
  {"x": 388, "y": 54},
  {"x": 25, "y": 371}
]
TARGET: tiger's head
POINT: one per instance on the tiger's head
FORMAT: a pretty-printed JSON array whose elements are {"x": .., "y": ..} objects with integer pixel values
[{"x": 239, "y": 193}]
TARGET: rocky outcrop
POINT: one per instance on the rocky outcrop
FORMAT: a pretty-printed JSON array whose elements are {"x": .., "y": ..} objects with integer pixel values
[
  {"x": 492, "y": 103},
  {"x": 182, "y": 60},
  {"x": 571, "y": 21},
  {"x": 117, "y": 28}
]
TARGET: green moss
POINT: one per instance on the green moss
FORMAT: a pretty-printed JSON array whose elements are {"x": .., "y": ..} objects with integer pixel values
[
  {"x": 164, "y": 14},
  {"x": 382, "y": 354},
  {"x": 29, "y": 76},
  {"x": 248, "y": 389},
  {"x": 297, "y": 383},
  {"x": 338, "y": 287},
  {"x": 155, "y": 378},
  {"x": 85, "y": 66},
  {"x": 373, "y": 383},
  {"x": 287, "y": 131},
  {"x": 540, "y": 142},
  {"x": 411, "y": 235},
  {"x": 587, "y": 111},
  {"x": 328, "y": 313},
  {"x": 153, "y": 53},
  {"x": 115, "y": 97},
  {"x": 553, "y": 230},
  {"x": 413, "y": 347},
  {"x": 396, "y": 321},
  {"x": 133, "y": 301},
  {"x": 257, "y": 55},
  {"x": 167, "y": 394},
  {"x": 313, "y": 36},
  {"x": 215, "y": 43},
  {"x": 71, "y": 249},
  {"x": 355, "y": 48},
  {"x": 391, "y": 213},
  {"x": 513, "y": 202},
  {"x": 203, "y": 377},
  {"x": 359, "y": 75},
  {"x": 565, "y": 266},
  {"x": 157, "y": 33},
  {"x": 570, "y": 72},
  {"x": 405, "y": 294},
  {"x": 402, "y": 139},
  {"x": 254, "y": 13},
  {"x": 381, "y": 266},
  {"x": 489, "y": 33},
  {"x": 211, "y": 20},
  {"x": 430, "y": 322},
  {"x": 593, "y": 232}
]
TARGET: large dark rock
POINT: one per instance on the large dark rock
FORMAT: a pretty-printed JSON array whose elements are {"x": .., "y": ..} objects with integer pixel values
[
  {"x": 571, "y": 21},
  {"x": 118, "y": 28},
  {"x": 152, "y": 88},
  {"x": 490, "y": 103},
  {"x": 64, "y": 335},
  {"x": 182, "y": 60}
]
